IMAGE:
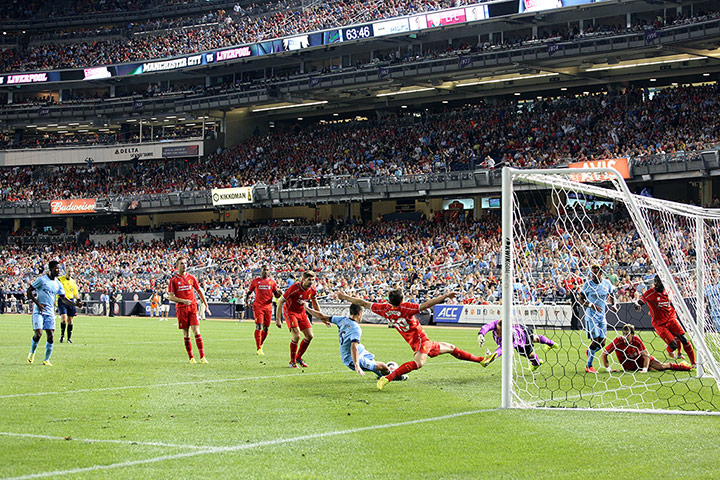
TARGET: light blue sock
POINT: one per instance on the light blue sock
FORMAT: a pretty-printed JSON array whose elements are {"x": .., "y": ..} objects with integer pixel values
[
  {"x": 48, "y": 351},
  {"x": 33, "y": 345},
  {"x": 591, "y": 356}
]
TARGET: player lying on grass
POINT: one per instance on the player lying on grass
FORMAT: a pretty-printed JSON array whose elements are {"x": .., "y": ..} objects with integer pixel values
[
  {"x": 401, "y": 315},
  {"x": 353, "y": 353},
  {"x": 664, "y": 320},
  {"x": 633, "y": 356},
  {"x": 523, "y": 339}
]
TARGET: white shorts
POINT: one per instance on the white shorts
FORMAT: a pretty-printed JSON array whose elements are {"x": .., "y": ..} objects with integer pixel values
[{"x": 164, "y": 308}]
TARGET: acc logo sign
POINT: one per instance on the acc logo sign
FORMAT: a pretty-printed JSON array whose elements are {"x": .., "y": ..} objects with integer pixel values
[{"x": 448, "y": 313}]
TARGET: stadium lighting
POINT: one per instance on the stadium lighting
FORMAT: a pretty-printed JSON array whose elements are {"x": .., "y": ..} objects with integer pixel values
[
  {"x": 511, "y": 79},
  {"x": 405, "y": 92},
  {"x": 653, "y": 79},
  {"x": 706, "y": 74},
  {"x": 445, "y": 101},
  {"x": 30, "y": 126},
  {"x": 309, "y": 104},
  {"x": 645, "y": 64}
]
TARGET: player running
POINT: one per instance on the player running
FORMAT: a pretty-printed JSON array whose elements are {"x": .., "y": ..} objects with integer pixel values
[
  {"x": 265, "y": 289},
  {"x": 523, "y": 339},
  {"x": 664, "y": 320},
  {"x": 594, "y": 295},
  {"x": 353, "y": 353},
  {"x": 67, "y": 312},
  {"x": 633, "y": 356},
  {"x": 43, "y": 317},
  {"x": 180, "y": 290},
  {"x": 291, "y": 306},
  {"x": 401, "y": 315}
]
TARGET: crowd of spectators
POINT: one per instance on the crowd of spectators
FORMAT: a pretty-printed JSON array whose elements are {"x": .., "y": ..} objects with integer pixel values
[
  {"x": 536, "y": 134},
  {"x": 448, "y": 252}
]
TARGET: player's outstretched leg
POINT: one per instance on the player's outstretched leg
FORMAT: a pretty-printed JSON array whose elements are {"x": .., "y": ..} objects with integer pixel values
[{"x": 403, "y": 369}]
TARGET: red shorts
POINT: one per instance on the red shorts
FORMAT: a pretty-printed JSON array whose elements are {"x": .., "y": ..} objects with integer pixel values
[
  {"x": 669, "y": 330},
  {"x": 432, "y": 349},
  {"x": 298, "y": 320},
  {"x": 187, "y": 317},
  {"x": 634, "y": 365},
  {"x": 263, "y": 315}
]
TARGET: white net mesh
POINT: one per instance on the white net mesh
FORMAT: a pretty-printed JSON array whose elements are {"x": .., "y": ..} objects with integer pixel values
[{"x": 561, "y": 228}]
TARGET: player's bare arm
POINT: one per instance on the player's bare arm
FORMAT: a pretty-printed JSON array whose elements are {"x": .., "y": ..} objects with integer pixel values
[
  {"x": 30, "y": 293},
  {"x": 354, "y": 300},
  {"x": 646, "y": 360},
  {"x": 606, "y": 363},
  {"x": 613, "y": 305},
  {"x": 69, "y": 303},
  {"x": 175, "y": 299},
  {"x": 318, "y": 314},
  {"x": 278, "y": 312},
  {"x": 354, "y": 353},
  {"x": 436, "y": 301}
]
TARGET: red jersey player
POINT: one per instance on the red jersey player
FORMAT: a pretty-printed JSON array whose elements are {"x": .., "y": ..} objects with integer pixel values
[
  {"x": 664, "y": 319},
  {"x": 180, "y": 290},
  {"x": 265, "y": 288},
  {"x": 291, "y": 306},
  {"x": 401, "y": 315},
  {"x": 633, "y": 356}
]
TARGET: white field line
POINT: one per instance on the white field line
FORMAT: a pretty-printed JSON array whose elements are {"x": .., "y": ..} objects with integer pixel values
[
  {"x": 246, "y": 446},
  {"x": 94, "y": 440}
]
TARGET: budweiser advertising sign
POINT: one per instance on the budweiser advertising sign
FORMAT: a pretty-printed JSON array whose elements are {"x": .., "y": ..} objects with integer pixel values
[
  {"x": 619, "y": 164},
  {"x": 76, "y": 205}
]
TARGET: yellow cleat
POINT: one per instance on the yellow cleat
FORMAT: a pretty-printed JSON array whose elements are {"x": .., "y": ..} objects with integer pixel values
[
  {"x": 550, "y": 347},
  {"x": 260, "y": 352},
  {"x": 382, "y": 382},
  {"x": 192, "y": 360},
  {"x": 47, "y": 363},
  {"x": 204, "y": 360},
  {"x": 31, "y": 357},
  {"x": 535, "y": 367},
  {"x": 489, "y": 359}
]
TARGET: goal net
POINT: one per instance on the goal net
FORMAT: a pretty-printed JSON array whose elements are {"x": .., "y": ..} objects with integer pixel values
[{"x": 572, "y": 236}]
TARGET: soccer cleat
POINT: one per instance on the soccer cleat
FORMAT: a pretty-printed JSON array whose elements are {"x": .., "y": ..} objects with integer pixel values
[
  {"x": 292, "y": 365},
  {"x": 302, "y": 363},
  {"x": 590, "y": 370},
  {"x": 62, "y": 339},
  {"x": 260, "y": 351},
  {"x": 47, "y": 363},
  {"x": 401, "y": 378},
  {"x": 70, "y": 341},
  {"x": 487, "y": 360},
  {"x": 204, "y": 360},
  {"x": 550, "y": 347},
  {"x": 192, "y": 360},
  {"x": 31, "y": 357},
  {"x": 382, "y": 382},
  {"x": 535, "y": 367}
]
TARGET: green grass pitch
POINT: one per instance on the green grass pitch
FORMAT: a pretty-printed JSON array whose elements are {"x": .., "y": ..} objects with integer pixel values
[{"x": 122, "y": 402}]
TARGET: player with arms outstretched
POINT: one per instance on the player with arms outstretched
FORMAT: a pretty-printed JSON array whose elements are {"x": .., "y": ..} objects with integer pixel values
[
  {"x": 664, "y": 319},
  {"x": 291, "y": 306},
  {"x": 523, "y": 339},
  {"x": 401, "y": 315},
  {"x": 353, "y": 353},
  {"x": 596, "y": 295},
  {"x": 182, "y": 289},
  {"x": 265, "y": 289},
  {"x": 43, "y": 318},
  {"x": 633, "y": 356}
]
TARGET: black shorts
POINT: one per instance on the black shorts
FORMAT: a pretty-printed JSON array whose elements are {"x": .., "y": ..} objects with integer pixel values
[
  {"x": 68, "y": 310},
  {"x": 527, "y": 348}
]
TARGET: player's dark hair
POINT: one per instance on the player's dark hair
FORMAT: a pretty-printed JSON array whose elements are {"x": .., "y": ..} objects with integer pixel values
[
  {"x": 178, "y": 259},
  {"x": 53, "y": 264},
  {"x": 355, "y": 309},
  {"x": 627, "y": 328},
  {"x": 395, "y": 297}
]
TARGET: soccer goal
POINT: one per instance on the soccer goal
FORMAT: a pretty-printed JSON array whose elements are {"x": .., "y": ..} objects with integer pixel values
[{"x": 556, "y": 225}]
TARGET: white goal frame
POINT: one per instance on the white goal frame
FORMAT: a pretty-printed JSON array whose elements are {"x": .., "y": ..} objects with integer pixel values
[{"x": 706, "y": 365}]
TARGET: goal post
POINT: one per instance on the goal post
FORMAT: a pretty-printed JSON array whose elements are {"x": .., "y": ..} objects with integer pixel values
[{"x": 556, "y": 224}]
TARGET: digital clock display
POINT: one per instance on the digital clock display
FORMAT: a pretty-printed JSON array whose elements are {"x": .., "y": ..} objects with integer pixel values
[{"x": 358, "y": 33}]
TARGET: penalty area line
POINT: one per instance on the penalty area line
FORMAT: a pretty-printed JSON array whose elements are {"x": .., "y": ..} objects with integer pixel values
[
  {"x": 95, "y": 440},
  {"x": 247, "y": 446}
]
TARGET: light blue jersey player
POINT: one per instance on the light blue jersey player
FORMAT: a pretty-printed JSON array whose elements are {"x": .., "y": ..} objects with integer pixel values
[
  {"x": 43, "y": 316},
  {"x": 595, "y": 295},
  {"x": 353, "y": 353}
]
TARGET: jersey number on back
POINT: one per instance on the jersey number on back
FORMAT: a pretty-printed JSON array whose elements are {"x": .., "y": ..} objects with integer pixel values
[{"x": 401, "y": 324}]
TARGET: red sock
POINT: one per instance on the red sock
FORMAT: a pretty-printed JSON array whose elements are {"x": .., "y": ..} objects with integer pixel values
[
  {"x": 199, "y": 343},
  {"x": 690, "y": 352},
  {"x": 406, "y": 367},
  {"x": 293, "y": 349},
  {"x": 301, "y": 350},
  {"x": 264, "y": 336},
  {"x": 680, "y": 366},
  {"x": 258, "y": 339},
  {"x": 188, "y": 346},
  {"x": 467, "y": 356}
]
